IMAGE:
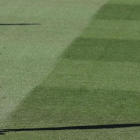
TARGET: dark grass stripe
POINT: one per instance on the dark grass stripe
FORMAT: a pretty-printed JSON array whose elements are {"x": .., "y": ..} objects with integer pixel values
[
  {"x": 64, "y": 106},
  {"x": 119, "y": 12},
  {"x": 104, "y": 50},
  {"x": 85, "y": 49}
]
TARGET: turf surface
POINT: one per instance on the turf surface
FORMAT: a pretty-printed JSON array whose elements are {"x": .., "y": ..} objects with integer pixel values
[
  {"x": 33, "y": 35},
  {"x": 95, "y": 82}
]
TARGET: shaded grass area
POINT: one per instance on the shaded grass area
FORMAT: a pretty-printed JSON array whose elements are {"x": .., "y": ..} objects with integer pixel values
[
  {"x": 125, "y": 2},
  {"x": 70, "y": 97},
  {"x": 95, "y": 75},
  {"x": 104, "y": 50},
  {"x": 65, "y": 107},
  {"x": 113, "y": 29},
  {"x": 119, "y": 12}
]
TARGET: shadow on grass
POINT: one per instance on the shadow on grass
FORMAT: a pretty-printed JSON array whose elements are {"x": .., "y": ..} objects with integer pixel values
[
  {"x": 110, "y": 126},
  {"x": 18, "y": 24}
]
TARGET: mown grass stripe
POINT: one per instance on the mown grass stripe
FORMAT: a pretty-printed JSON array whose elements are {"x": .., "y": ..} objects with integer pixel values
[
  {"x": 64, "y": 107},
  {"x": 119, "y": 12},
  {"x": 125, "y": 2},
  {"x": 95, "y": 75},
  {"x": 104, "y": 50},
  {"x": 113, "y": 29}
]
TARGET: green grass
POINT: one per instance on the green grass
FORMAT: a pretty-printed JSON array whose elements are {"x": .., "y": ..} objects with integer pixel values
[
  {"x": 55, "y": 107},
  {"x": 119, "y": 12},
  {"x": 29, "y": 53},
  {"x": 113, "y": 29},
  {"x": 94, "y": 82},
  {"x": 104, "y": 50}
]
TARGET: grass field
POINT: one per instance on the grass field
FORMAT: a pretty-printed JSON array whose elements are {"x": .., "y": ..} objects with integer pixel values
[{"x": 70, "y": 64}]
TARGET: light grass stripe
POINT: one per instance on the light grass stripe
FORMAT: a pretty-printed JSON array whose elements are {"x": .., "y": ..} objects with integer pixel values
[{"x": 113, "y": 29}]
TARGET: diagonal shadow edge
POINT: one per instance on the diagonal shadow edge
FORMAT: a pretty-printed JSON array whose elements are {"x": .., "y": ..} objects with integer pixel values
[
  {"x": 18, "y": 24},
  {"x": 89, "y": 127}
]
